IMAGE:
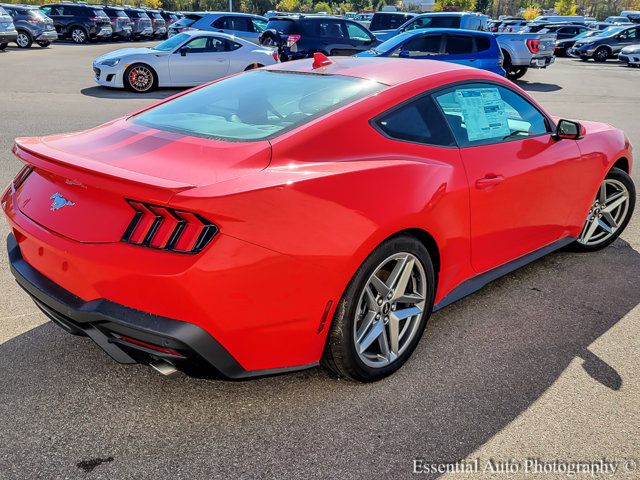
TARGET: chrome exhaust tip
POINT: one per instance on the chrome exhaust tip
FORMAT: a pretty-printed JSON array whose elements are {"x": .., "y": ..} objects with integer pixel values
[{"x": 163, "y": 367}]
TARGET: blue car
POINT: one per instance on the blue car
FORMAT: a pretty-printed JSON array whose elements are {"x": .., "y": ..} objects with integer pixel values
[
  {"x": 465, "y": 47},
  {"x": 461, "y": 20}
]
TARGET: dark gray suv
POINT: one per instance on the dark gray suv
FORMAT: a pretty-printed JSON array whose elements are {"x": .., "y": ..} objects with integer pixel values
[
  {"x": 32, "y": 25},
  {"x": 606, "y": 45}
]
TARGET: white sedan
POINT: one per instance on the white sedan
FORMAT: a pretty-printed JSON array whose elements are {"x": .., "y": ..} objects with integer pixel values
[{"x": 185, "y": 60}]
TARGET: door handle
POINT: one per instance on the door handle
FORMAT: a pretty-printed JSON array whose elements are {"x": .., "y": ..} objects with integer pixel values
[{"x": 489, "y": 181}]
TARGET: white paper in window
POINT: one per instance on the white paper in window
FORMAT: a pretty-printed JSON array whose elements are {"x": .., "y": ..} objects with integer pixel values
[{"x": 483, "y": 112}]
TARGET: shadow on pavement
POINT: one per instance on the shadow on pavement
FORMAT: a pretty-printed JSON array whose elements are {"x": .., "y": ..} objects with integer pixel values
[
  {"x": 112, "y": 93},
  {"x": 482, "y": 362},
  {"x": 538, "y": 87}
]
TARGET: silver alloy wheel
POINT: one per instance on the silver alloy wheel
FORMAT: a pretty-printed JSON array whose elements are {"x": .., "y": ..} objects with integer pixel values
[
  {"x": 78, "y": 35},
  {"x": 140, "y": 78},
  {"x": 389, "y": 309},
  {"x": 22, "y": 40},
  {"x": 608, "y": 211}
]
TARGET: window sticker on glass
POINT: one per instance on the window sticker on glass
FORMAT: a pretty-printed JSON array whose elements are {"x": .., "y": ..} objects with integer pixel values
[{"x": 483, "y": 112}]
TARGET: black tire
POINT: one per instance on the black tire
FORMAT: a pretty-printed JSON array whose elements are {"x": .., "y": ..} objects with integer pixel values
[
  {"x": 270, "y": 38},
  {"x": 140, "y": 87},
  {"x": 583, "y": 58},
  {"x": 601, "y": 54},
  {"x": 79, "y": 35},
  {"x": 24, "y": 39},
  {"x": 622, "y": 177},
  {"x": 3, "y": 46},
  {"x": 44, "y": 44},
  {"x": 514, "y": 72},
  {"x": 253, "y": 66},
  {"x": 340, "y": 355}
]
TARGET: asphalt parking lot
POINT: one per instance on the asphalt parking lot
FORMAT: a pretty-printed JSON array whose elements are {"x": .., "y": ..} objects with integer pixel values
[{"x": 540, "y": 364}]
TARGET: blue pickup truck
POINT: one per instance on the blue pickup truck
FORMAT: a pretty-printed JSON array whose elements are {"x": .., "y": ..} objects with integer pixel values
[{"x": 464, "y": 47}]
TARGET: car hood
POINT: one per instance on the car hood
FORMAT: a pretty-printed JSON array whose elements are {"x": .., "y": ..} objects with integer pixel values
[
  {"x": 126, "y": 52},
  {"x": 631, "y": 49}
]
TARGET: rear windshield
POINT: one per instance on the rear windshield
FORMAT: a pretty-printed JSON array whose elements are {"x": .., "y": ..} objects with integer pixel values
[
  {"x": 36, "y": 14},
  {"x": 99, "y": 13},
  {"x": 116, "y": 13},
  {"x": 256, "y": 105},
  {"x": 2, "y": 11},
  {"x": 388, "y": 21},
  {"x": 281, "y": 26}
]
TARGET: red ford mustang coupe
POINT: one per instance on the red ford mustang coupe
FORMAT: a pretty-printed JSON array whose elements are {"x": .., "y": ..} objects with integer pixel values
[{"x": 311, "y": 212}]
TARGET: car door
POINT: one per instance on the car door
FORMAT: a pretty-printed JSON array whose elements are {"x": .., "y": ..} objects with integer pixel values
[
  {"x": 626, "y": 38},
  {"x": 333, "y": 37},
  {"x": 200, "y": 60},
  {"x": 359, "y": 38},
  {"x": 522, "y": 181},
  {"x": 459, "y": 49}
]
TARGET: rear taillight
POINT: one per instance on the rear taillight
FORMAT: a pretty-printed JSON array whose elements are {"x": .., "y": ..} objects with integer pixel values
[
  {"x": 533, "y": 45},
  {"x": 165, "y": 228},
  {"x": 22, "y": 176},
  {"x": 275, "y": 56},
  {"x": 292, "y": 39}
]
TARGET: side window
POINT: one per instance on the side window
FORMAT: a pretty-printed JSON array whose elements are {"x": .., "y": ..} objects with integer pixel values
[
  {"x": 356, "y": 32},
  {"x": 240, "y": 24},
  {"x": 230, "y": 46},
  {"x": 420, "y": 46},
  {"x": 46, "y": 10},
  {"x": 482, "y": 44},
  {"x": 331, "y": 29},
  {"x": 219, "y": 23},
  {"x": 419, "y": 121},
  {"x": 200, "y": 45},
  {"x": 259, "y": 25},
  {"x": 480, "y": 114},
  {"x": 458, "y": 44}
]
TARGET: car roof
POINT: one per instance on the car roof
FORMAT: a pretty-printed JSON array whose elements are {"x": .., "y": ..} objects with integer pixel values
[
  {"x": 454, "y": 31},
  {"x": 235, "y": 14},
  {"x": 207, "y": 33},
  {"x": 386, "y": 70}
]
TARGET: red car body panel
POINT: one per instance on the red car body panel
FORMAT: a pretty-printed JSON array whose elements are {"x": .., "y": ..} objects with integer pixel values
[{"x": 297, "y": 215}]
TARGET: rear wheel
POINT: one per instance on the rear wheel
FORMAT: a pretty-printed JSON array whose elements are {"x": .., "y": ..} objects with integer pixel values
[
  {"x": 253, "y": 66},
  {"x": 140, "y": 78},
  {"x": 79, "y": 35},
  {"x": 24, "y": 40},
  {"x": 513, "y": 72},
  {"x": 383, "y": 312},
  {"x": 44, "y": 44},
  {"x": 3, "y": 46},
  {"x": 601, "y": 54},
  {"x": 609, "y": 214}
]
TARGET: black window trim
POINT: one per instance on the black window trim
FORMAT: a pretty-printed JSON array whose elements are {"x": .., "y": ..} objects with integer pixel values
[{"x": 373, "y": 122}]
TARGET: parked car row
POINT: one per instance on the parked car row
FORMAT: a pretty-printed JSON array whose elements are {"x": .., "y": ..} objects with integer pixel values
[{"x": 80, "y": 23}]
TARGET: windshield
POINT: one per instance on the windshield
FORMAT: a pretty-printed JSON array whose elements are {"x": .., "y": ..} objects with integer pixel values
[
  {"x": 393, "y": 42},
  {"x": 171, "y": 43},
  {"x": 607, "y": 32},
  {"x": 256, "y": 105},
  {"x": 281, "y": 26}
]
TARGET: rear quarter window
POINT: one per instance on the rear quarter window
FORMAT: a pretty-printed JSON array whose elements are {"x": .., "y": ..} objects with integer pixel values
[
  {"x": 482, "y": 44},
  {"x": 419, "y": 122}
]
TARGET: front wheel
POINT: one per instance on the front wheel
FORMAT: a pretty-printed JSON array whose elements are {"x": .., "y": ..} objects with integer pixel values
[
  {"x": 609, "y": 214},
  {"x": 601, "y": 55},
  {"x": 140, "y": 78},
  {"x": 383, "y": 312},
  {"x": 3, "y": 46}
]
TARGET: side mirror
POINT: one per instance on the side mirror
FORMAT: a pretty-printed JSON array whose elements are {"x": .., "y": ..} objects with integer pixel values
[
  {"x": 569, "y": 130},
  {"x": 184, "y": 51},
  {"x": 404, "y": 54}
]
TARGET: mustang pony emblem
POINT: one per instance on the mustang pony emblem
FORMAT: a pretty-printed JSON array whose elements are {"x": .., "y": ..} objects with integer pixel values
[{"x": 59, "y": 201}]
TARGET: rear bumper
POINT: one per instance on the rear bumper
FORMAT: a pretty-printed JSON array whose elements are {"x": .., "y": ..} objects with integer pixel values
[
  {"x": 6, "y": 37},
  {"x": 47, "y": 36},
  {"x": 111, "y": 326},
  {"x": 542, "y": 62}
]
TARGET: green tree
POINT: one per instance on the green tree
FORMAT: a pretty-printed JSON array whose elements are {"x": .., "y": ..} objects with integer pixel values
[
  {"x": 288, "y": 5},
  {"x": 455, "y": 5},
  {"x": 566, "y": 7},
  {"x": 322, "y": 7}
]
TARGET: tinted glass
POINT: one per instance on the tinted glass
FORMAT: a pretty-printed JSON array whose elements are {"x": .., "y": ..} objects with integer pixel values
[
  {"x": 281, "y": 26},
  {"x": 420, "y": 46},
  {"x": 458, "y": 45},
  {"x": 482, "y": 44},
  {"x": 387, "y": 21},
  {"x": 259, "y": 25},
  {"x": 256, "y": 105},
  {"x": 419, "y": 121},
  {"x": 99, "y": 13},
  {"x": 356, "y": 32},
  {"x": 435, "y": 22},
  {"x": 483, "y": 114}
]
